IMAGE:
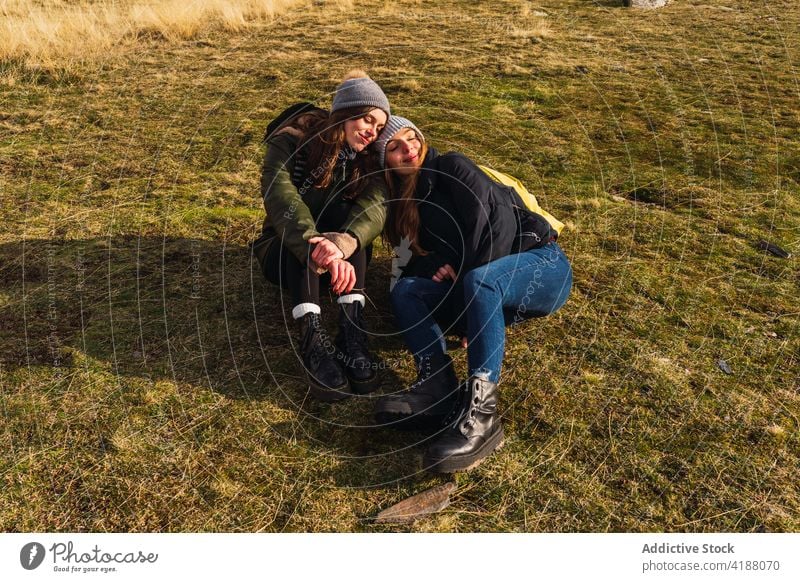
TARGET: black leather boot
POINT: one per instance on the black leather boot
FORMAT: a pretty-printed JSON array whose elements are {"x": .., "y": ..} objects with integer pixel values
[
  {"x": 474, "y": 434},
  {"x": 326, "y": 380},
  {"x": 427, "y": 403},
  {"x": 353, "y": 354}
]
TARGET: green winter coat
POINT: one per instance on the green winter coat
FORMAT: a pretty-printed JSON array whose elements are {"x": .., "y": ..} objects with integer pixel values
[{"x": 292, "y": 211}]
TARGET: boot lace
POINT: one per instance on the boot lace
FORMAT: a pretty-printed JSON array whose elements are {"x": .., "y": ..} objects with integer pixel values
[
  {"x": 355, "y": 338},
  {"x": 313, "y": 345},
  {"x": 464, "y": 410},
  {"x": 424, "y": 374}
]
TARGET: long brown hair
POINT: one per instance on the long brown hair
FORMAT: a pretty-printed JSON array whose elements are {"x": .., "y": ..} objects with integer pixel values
[
  {"x": 327, "y": 142},
  {"x": 402, "y": 219}
]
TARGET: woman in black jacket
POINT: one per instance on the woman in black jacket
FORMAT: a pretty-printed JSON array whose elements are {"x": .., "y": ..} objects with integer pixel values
[{"x": 479, "y": 260}]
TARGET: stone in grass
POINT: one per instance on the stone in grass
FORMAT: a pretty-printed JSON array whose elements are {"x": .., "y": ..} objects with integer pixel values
[
  {"x": 776, "y": 431},
  {"x": 429, "y": 501},
  {"x": 773, "y": 249},
  {"x": 646, "y": 3},
  {"x": 724, "y": 366}
]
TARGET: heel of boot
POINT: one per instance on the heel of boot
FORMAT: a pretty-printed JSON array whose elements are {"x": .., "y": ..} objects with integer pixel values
[
  {"x": 325, "y": 393},
  {"x": 465, "y": 462},
  {"x": 364, "y": 386}
]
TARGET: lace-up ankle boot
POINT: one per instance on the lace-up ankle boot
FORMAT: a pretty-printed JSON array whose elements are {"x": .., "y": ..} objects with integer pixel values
[
  {"x": 326, "y": 380},
  {"x": 427, "y": 403},
  {"x": 475, "y": 431},
  {"x": 358, "y": 364}
]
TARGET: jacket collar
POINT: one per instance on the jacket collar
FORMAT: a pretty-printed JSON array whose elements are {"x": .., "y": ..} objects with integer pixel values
[{"x": 428, "y": 174}]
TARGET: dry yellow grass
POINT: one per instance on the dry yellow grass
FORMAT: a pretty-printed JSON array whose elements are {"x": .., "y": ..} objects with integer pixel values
[
  {"x": 57, "y": 31},
  {"x": 529, "y": 24}
]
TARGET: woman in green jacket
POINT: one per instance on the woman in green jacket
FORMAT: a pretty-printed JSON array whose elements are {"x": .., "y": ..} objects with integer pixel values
[{"x": 325, "y": 205}]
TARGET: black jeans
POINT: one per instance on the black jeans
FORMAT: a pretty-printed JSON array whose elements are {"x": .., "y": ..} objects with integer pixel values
[{"x": 282, "y": 268}]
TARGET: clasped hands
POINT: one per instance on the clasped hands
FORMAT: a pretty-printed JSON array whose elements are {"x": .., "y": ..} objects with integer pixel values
[
  {"x": 331, "y": 258},
  {"x": 343, "y": 275}
]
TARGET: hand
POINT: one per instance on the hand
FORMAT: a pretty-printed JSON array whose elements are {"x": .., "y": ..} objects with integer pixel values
[
  {"x": 445, "y": 272},
  {"x": 343, "y": 276},
  {"x": 324, "y": 251},
  {"x": 464, "y": 342}
]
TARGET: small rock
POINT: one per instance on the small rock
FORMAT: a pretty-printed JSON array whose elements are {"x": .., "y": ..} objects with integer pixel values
[
  {"x": 773, "y": 249},
  {"x": 776, "y": 431},
  {"x": 429, "y": 501},
  {"x": 724, "y": 366},
  {"x": 770, "y": 334},
  {"x": 582, "y": 69},
  {"x": 646, "y": 3},
  {"x": 616, "y": 198}
]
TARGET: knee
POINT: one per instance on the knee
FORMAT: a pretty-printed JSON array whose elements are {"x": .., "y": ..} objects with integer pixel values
[
  {"x": 472, "y": 279},
  {"x": 564, "y": 291},
  {"x": 477, "y": 281},
  {"x": 270, "y": 267},
  {"x": 554, "y": 295},
  {"x": 403, "y": 290}
]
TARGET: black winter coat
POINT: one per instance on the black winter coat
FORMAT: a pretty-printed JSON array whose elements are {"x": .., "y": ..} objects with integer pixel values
[{"x": 467, "y": 219}]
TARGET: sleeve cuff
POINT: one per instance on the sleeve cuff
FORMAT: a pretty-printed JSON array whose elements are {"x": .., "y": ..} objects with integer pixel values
[{"x": 347, "y": 243}]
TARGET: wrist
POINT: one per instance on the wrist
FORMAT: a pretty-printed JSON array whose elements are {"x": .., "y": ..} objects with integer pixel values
[{"x": 346, "y": 243}]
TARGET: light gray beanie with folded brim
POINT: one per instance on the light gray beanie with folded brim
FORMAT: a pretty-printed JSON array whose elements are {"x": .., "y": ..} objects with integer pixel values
[
  {"x": 360, "y": 91},
  {"x": 395, "y": 124}
]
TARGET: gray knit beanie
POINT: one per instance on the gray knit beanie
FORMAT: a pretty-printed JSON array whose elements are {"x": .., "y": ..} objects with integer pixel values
[
  {"x": 358, "y": 90},
  {"x": 395, "y": 124}
]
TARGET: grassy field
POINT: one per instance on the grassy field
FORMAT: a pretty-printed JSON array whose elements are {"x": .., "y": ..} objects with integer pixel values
[
  {"x": 147, "y": 379},
  {"x": 55, "y": 32}
]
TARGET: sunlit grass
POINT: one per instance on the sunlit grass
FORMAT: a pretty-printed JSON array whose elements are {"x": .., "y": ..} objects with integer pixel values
[{"x": 53, "y": 31}]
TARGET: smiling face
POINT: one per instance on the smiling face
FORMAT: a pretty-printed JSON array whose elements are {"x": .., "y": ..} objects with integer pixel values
[
  {"x": 364, "y": 130},
  {"x": 403, "y": 152}
]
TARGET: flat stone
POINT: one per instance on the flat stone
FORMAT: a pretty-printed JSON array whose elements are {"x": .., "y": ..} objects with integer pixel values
[{"x": 646, "y": 3}]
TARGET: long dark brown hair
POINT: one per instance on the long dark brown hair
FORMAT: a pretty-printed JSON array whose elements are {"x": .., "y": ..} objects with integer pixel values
[
  {"x": 402, "y": 219},
  {"x": 327, "y": 143}
]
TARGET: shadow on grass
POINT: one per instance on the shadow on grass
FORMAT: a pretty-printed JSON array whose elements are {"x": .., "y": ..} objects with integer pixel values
[{"x": 196, "y": 313}]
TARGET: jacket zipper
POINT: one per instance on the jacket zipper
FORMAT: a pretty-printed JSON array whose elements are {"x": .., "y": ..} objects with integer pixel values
[
  {"x": 533, "y": 234},
  {"x": 444, "y": 241}
]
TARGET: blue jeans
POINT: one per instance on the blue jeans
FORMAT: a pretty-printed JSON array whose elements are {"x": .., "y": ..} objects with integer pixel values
[{"x": 515, "y": 288}]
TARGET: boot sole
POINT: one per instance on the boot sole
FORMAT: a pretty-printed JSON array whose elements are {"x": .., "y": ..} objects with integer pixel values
[
  {"x": 364, "y": 386},
  {"x": 326, "y": 393},
  {"x": 467, "y": 462}
]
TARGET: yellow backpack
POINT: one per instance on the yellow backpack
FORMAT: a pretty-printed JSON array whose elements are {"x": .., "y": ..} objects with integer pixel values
[{"x": 528, "y": 198}]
